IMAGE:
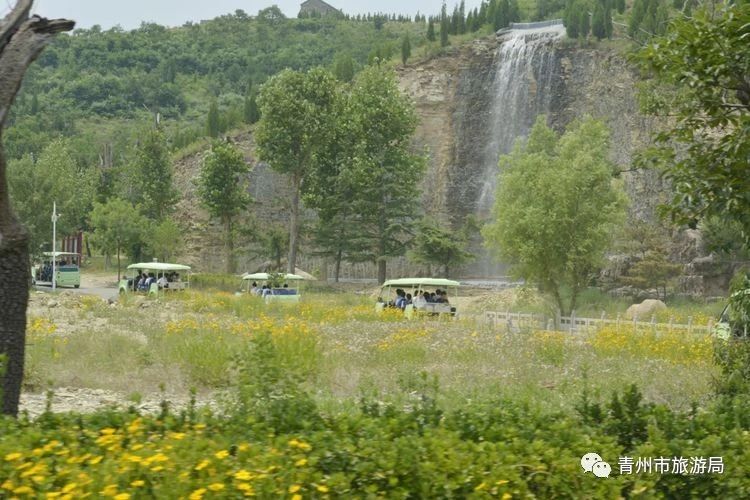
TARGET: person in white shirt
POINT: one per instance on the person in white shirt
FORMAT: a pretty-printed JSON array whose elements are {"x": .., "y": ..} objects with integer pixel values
[{"x": 163, "y": 282}]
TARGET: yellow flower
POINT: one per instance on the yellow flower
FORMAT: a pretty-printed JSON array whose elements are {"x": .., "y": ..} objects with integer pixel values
[
  {"x": 297, "y": 497},
  {"x": 109, "y": 491},
  {"x": 507, "y": 496},
  {"x": 216, "y": 487},
  {"x": 202, "y": 465},
  {"x": 247, "y": 488},
  {"x": 69, "y": 487},
  {"x": 301, "y": 462},
  {"x": 322, "y": 488},
  {"x": 7, "y": 485},
  {"x": 502, "y": 482},
  {"x": 197, "y": 494},
  {"x": 137, "y": 483},
  {"x": 122, "y": 496},
  {"x": 95, "y": 460},
  {"x": 294, "y": 488},
  {"x": 243, "y": 475},
  {"x": 243, "y": 447},
  {"x": 13, "y": 456},
  {"x": 23, "y": 490},
  {"x": 221, "y": 455},
  {"x": 53, "y": 494}
]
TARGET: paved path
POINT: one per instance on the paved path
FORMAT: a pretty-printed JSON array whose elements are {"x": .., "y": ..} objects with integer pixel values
[{"x": 96, "y": 285}]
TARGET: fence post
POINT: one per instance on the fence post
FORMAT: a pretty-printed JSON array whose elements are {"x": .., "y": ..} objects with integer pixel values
[
  {"x": 671, "y": 323},
  {"x": 635, "y": 324},
  {"x": 572, "y": 321},
  {"x": 550, "y": 324},
  {"x": 508, "y": 321},
  {"x": 653, "y": 323}
]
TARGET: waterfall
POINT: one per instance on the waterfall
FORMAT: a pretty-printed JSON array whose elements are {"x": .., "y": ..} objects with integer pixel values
[{"x": 525, "y": 71}]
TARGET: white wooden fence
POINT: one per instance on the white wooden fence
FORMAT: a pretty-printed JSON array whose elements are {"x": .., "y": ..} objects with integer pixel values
[{"x": 513, "y": 321}]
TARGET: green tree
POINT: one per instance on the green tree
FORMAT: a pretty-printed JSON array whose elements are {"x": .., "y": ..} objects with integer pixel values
[
  {"x": 53, "y": 177},
  {"x": 405, "y": 49},
  {"x": 153, "y": 176},
  {"x": 213, "y": 120},
  {"x": 384, "y": 171},
  {"x": 222, "y": 187},
  {"x": 556, "y": 207},
  {"x": 117, "y": 225},
  {"x": 701, "y": 68},
  {"x": 435, "y": 245},
  {"x": 584, "y": 22},
  {"x": 445, "y": 26},
  {"x": 653, "y": 271},
  {"x": 599, "y": 21},
  {"x": 295, "y": 123},
  {"x": 431, "y": 31},
  {"x": 164, "y": 239},
  {"x": 343, "y": 67},
  {"x": 250, "y": 108}
]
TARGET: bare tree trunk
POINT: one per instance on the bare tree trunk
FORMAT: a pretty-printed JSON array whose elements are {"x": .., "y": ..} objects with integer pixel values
[
  {"x": 294, "y": 225},
  {"x": 229, "y": 246},
  {"x": 21, "y": 40},
  {"x": 338, "y": 265}
]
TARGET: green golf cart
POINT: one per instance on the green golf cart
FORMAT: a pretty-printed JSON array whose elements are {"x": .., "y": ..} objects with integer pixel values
[
  {"x": 159, "y": 276},
  {"x": 67, "y": 270},
  {"x": 271, "y": 287}
]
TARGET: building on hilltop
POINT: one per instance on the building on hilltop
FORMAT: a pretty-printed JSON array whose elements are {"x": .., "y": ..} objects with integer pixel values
[{"x": 317, "y": 8}]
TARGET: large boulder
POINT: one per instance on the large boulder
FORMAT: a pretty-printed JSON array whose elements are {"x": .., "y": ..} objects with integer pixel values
[{"x": 645, "y": 309}]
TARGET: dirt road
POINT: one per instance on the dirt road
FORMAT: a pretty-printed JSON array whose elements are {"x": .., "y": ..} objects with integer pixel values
[{"x": 101, "y": 285}]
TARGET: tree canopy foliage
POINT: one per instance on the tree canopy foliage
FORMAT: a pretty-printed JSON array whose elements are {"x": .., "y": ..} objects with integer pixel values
[
  {"x": 556, "y": 208},
  {"x": 222, "y": 187},
  {"x": 702, "y": 81},
  {"x": 117, "y": 225}
]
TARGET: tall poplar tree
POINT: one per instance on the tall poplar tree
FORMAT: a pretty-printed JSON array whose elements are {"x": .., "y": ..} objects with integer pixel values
[
  {"x": 384, "y": 171},
  {"x": 295, "y": 122},
  {"x": 222, "y": 187},
  {"x": 153, "y": 176}
]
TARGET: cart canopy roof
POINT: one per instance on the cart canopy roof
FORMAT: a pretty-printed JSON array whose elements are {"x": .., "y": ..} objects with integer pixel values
[
  {"x": 412, "y": 282},
  {"x": 267, "y": 276},
  {"x": 60, "y": 254},
  {"x": 159, "y": 266}
]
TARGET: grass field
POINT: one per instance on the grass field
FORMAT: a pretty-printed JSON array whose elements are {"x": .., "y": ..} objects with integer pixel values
[{"x": 340, "y": 348}]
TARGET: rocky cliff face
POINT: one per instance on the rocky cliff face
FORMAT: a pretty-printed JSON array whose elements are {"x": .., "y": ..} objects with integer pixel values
[
  {"x": 476, "y": 100},
  {"x": 473, "y": 102}
]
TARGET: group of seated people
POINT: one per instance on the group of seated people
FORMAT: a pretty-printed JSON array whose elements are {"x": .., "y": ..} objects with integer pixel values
[
  {"x": 45, "y": 273},
  {"x": 420, "y": 298},
  {"x": 142, "y": 281},
  {"x": 268, "y": 290}
]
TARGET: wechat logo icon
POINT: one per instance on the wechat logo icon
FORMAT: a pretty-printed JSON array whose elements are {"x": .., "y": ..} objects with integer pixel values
[{"x": 592, "y": 462}]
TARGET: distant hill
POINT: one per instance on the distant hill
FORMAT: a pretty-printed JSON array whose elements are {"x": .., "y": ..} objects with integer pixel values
[{"x": 98, "y": 87}]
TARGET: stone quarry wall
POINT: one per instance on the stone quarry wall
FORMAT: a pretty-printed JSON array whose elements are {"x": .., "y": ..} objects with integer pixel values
[{"x": 453, "y": 95}]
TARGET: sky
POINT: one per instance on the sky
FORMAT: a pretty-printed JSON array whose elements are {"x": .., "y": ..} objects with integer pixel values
[{"x": 130, "y": 13}]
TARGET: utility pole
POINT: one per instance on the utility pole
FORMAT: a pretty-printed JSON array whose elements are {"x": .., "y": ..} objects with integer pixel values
[{"x": 55, "y": 216}]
